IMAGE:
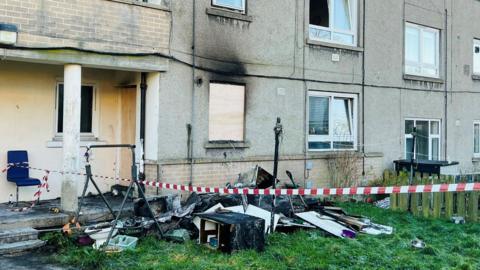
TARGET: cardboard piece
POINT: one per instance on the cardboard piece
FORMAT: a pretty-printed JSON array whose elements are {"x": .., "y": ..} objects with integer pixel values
[{"x": 326, "y": 223}]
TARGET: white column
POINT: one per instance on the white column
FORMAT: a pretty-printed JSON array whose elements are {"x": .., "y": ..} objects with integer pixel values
[
  {"x": 71, "y": 135},
  {"x": 152, "y": 116}
]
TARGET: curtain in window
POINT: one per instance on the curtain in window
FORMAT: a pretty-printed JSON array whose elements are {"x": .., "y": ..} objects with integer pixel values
[
  {"x": 318, "y": 121},
  {"x": 342, "y": 15},
  {"x": 342, "y": 113},
  {"x": 342, "y": 123},
  {"x": 476, "y": 57}
]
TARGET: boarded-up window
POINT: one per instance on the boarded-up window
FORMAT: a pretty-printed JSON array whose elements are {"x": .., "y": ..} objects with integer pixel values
[{"x": 226, "y": 112}]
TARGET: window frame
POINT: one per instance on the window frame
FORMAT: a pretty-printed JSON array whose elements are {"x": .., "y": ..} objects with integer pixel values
[
  {"x": 330, "y": 136},
  {"x": 244, "y": 112},
  {"x": 353, "y": 8},
  {"x": 421, "y": 65},
  {"x": 215, "y": 3},
  {"x": 84, "y": 136},
  {"x": 475, "y": 64},
  {"x": 476, "y": 154},
  {"x": 430, "y": 137}
]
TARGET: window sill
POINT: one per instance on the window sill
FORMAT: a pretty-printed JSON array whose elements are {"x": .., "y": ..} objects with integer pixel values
[
  {"x": 333, "y": 45},
  {"x": 476, "y": 159},
  {"x": 227, "y": 145},
  {"x": 329, "y": 152},
  {"x": 421, "y": 78},
  {"x": 159, "y": 6},
  {"x": 373, "y": 154},
  {"x": 57, "y": 142},
  {"x": 229, "y": 14},
  {"x": 476, "y": 77}
]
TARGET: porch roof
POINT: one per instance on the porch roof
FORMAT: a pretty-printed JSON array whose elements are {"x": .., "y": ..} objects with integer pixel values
[{"x": 141, "y": 63}]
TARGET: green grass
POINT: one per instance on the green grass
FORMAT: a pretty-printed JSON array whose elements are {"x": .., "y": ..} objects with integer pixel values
[{"x": 449, "y": 246}]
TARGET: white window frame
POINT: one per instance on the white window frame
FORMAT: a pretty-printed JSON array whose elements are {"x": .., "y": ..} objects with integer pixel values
[
  {"x": 84, "y": 136},
  {"x": 353, "y": 5},
  {"x": 476, "y": 57},
  {"x": 217, "y": 4},
  {"x": 420, "y": 64},
  {"x": 476, "y": 154},
  {"x": 330, "y": 137},
  {"x": 430, "y": 137}
]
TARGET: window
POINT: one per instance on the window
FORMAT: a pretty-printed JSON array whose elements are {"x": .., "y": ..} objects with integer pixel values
[
  {"x": 226, "y": 112},
  {"x": 476, "y": 56},
  {"x": 427, "y": 145},
  {"x": 238, "y": 5},
  {"x": 86, "y": 110},
  {"x": 421, "y": 51},
  {"x": 476, "y": 138},
  {"x": 332, "y": 121},
  {"x": 334, "y": 21}
]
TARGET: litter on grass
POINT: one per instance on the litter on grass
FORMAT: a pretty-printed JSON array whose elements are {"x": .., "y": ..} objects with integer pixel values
[
  {"x": 385, "y": 203},
  {"x": 458, "y": 220}
]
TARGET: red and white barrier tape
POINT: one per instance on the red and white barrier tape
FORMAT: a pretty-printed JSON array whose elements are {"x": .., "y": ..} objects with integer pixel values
[
  {"x": 43, "y": 185},
  {"x": 434, "y": 188},
  {"x": 36, "y": 195},
  {"x": 461, "y": 187}
]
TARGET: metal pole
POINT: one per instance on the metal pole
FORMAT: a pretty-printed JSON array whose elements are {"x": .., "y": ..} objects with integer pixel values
[
  {"x": 142, "y": 193},
  {"x": 119, "y": 213},
  {"x": 278, "y": 131},
  {"x": 412, "y": 159}
]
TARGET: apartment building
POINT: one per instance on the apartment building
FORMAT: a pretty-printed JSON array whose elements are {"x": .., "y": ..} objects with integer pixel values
[
  {"x": 348, "y": 78},
  {"x": 343, "y": 75}
]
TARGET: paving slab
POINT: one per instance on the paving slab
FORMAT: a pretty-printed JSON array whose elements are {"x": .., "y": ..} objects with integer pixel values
[
  {"x": 40, "y": 216},
  {"x": 30, "y": 260}
]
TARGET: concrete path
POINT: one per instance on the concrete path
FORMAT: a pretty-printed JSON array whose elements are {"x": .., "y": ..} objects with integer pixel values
[{"x": 28, "y": 261}]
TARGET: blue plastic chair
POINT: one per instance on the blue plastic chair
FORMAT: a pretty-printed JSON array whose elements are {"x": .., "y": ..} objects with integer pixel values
[{"x": 18, "y": 173}]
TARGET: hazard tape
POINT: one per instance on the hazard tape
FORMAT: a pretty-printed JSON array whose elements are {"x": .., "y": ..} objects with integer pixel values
[
  {"x": 461, "y": 187},
  {"x": 434, "y": 188},
  {"x": 36, "y": 195}
]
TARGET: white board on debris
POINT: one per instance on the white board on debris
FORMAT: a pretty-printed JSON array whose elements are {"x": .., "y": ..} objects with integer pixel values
[
  {"x": 208, "y": 226},
  {"x": 254, "y": 211},
  {"x": 323, "y": 222}
]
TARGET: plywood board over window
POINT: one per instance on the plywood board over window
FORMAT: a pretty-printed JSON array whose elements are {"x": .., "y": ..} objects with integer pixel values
[{"x": 226, "y": 120}]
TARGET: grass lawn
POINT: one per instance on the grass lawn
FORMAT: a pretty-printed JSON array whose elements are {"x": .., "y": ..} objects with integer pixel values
[{"x": 449, "y": 246}]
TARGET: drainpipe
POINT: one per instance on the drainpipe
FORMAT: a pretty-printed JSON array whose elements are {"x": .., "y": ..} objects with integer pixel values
[
  {"x": 143, "y": 100},
  {"x": 363, "y": 90},
  {"x": 192, "y": 125},
  {"x": 445, "y": 83}
]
